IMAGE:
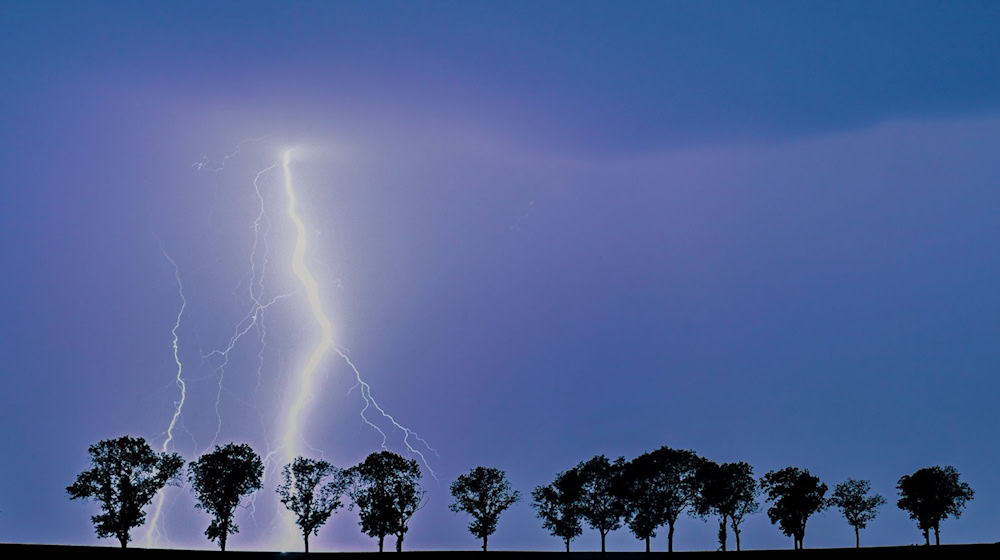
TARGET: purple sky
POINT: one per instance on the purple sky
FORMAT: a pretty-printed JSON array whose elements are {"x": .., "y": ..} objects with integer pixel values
[{"x": 544, "y": 231}]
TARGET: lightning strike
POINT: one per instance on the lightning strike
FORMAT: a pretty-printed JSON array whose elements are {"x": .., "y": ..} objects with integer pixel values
[
  {"x": 293, "y": 432},
  {"x": 153, "y": 531}
]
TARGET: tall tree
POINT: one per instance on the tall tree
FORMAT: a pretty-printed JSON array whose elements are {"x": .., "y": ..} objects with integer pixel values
[
  {"x": 729, "y": 491},
  {"x": 558, "y": 505},
  {"x": 602, "y": 501},
  {"x": 484, "y": 493},
  {"x": 124, "y": 476},
  {"x": 676, "y": 486},
  {"x": 795, "y": 495},
  {"x": 851, "y": 497},
  {"x": 746, "y": 500},
  {"x": 932, "y": 494},
  {"x": 644, "y": 511},
  {"x": 220, "y": 479},
  {"x": 304, "y": 493},
  {"x": 386, "y": 489}
]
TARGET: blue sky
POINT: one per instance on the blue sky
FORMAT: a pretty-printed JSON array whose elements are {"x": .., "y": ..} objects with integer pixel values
[{"x": 544, "y": 231}]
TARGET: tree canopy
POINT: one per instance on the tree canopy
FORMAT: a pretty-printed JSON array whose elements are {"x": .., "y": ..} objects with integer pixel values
[
  {"x": 795, "y": 494},
  {"x": 931, "y": 494},
  {"x": 305, "y": 494},
  {"x": 558, "y": 505},
  {"x": 124, "y": 476},
  {"x": 219, "y": 480},
  {"x": 386, "y": 489},
  {"x": 484, "y": 493}
]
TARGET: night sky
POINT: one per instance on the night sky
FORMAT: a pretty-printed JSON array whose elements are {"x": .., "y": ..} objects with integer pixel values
[{"x": 765, "y": 231}]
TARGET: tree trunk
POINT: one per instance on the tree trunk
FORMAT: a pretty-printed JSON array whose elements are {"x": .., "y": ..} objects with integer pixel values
[
  {"x": 857, "y": 538},
  {"x": 306, "y": 538},
  {"x": 123, "y": 539},
  {"x": 647, "y": 543},
  {"x": 722, "y": 533},
  {"x": 736, "y": 532},
  {"x": 937, "y": 538},
  {"x": 485, "y": 537},
  {"x": 603, "y": 535},
  {"x": 567, "y": 545},
  {"x": 670, "y": 537},
  {"x": 399, "y": 542},
  {"x": 927, "y": 537},
  {"x": 224, "y": 534},
  {"x": 381, "y": 540}
]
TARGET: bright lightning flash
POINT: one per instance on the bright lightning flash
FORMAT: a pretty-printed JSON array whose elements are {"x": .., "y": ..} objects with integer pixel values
[
  {"x": 153, "y": 530},
  {"x": 292, "y": 433}
]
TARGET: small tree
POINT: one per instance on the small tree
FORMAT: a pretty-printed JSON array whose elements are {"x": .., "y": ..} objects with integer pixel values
[
  {"x": 729, "y": 491},
  {"x": 851, "y": 497},
  {"x": 558, "y": 505},
  {"x": 124, "y": 476},
  {"x": 219, "y": 480},
  {"x": 602, "y": 503},
  {"x": 932, "y": 494},
  {"x": 386, "y": 489},
  {"x": 796, "y": 495},
  {"x": 484, "y": 493},
  {"x": 303, "y": 492}
]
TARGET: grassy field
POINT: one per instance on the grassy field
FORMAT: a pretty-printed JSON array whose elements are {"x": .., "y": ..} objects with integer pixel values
[{"x": 944, "y": 551}]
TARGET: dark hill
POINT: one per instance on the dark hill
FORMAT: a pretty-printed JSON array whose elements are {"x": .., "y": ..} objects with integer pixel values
[{"x": 11, "y": 551}]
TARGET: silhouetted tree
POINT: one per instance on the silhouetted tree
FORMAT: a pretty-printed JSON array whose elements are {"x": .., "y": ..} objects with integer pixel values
[
  {"x": 796, "y": 495},
  {"x": 676, "y": 485},
  {"x": 851, "y": 497},
  {"x": 220, "y": 479},
  {"x": 484, "y": 493},
  {"x": 386, "y": 489},
  {"x": 304, "y": 493},
  {"x": 745, "y": 505},
  {"x": 644, "y": 511},
  {"x": 125, "y": 474},
  {"x": 602, "y": 501},
  {"x": 932, "y": 494},
  {"x": 558, "y": 505},
  {"x": 729, "y": 491}
]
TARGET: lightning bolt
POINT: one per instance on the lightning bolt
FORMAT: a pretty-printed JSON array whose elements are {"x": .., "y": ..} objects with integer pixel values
[
  {"x": 292, "y": 433},
  {"x": 153, "y": 531}
]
